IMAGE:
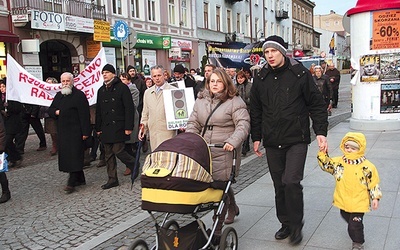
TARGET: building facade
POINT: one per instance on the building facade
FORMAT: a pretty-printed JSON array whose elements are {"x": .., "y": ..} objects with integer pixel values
[{"x": 303, "y": 31}]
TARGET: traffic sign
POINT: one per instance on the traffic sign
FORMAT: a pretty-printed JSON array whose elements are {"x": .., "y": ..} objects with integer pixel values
[
  {"x": 121, "y": 30},
  {"x": 132, "y": 39}
]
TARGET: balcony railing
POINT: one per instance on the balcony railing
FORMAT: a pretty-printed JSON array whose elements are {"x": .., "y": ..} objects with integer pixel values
[
  {"x": 69, "y": 7},
  {"x": 281, "y": 14}
]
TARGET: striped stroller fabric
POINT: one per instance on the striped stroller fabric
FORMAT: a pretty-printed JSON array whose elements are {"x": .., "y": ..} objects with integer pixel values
[{"x": 174, "y": 178}]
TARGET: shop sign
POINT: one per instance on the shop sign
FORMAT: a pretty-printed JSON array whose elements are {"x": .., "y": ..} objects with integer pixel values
[
  {"x": 79, "y": 24},
  {"x": 44, "y": 20},
  {"x": 175, "y": 53},
  {"x": 385, "y": 30},
  {"x": 23, "y": 18},
  {"x": 93, "y": 47},
  {"x": 183, "y": 44},
  {"x": 101, "y": 31},
  {"x": 153, "y": 42}
]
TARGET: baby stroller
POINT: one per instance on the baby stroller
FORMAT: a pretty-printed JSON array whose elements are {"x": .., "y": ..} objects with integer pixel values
[{"x": 176, "y": 179}]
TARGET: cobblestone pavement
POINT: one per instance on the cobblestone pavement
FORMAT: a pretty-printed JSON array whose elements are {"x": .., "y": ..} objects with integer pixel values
[{"x": 41, "y": 216}]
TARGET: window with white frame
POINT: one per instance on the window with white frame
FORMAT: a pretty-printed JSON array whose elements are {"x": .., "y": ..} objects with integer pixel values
[
  {"x": 135, "y": 8},
  {"x": 248, "y": 27},
  {"x": 218, "y": 18},
  {"x": 272, "y": 28},
  {"x": 256, "y": 27},
  {"x": 266, "y": 28},
  {"x": 117, "y": 7},
  {"x": 151, "y": 10},
  {"x": 184, "y": 14},
  {"x": 205, "y": 15},
  {"x": 238, "y": 23},
  {"x": 171, "y": 12},
  {"x": 229, "y": 20}
]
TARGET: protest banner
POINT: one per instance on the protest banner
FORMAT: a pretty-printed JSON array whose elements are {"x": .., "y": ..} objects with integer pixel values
[{"x": 25, "y": 88}]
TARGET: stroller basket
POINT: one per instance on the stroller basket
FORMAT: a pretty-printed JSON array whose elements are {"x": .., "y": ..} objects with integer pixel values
[{"x": 177, "y": 177}]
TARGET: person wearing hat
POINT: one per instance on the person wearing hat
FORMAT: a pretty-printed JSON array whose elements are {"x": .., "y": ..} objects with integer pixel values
[
  {"x": 179, "y": 75},
  {"x": 282, "y": 100},
  {"x": 357, "y": 184},
  {"x": 114, "y": 122}
]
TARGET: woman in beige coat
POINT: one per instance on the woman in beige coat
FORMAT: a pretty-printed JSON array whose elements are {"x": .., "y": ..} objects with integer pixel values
[{"x": 228, "y": 125}]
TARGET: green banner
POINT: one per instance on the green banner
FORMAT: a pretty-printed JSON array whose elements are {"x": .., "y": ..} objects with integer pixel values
[
  {"x": 153, "y": 42},
  {"x": 144, "y": 41}
]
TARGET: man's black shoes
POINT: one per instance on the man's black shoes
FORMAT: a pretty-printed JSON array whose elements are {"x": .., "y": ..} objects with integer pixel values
[
  {"x": 296, "y": 236},
  {"x": 109, "y": 185},
  {"x": 282, "y": 233}
]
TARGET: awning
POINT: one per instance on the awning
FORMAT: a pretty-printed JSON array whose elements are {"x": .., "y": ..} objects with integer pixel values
[{"x": 8, "y": 37}]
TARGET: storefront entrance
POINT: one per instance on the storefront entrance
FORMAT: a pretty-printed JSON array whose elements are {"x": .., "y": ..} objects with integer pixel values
[{"x": 55, "y": 58}]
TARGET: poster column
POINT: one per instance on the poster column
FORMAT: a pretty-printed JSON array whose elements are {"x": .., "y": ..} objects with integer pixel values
[{"x": 374, "y": 52}]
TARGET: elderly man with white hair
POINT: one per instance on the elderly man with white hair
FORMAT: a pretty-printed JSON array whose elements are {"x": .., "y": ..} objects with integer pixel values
[{"x": 70, "y": 108}]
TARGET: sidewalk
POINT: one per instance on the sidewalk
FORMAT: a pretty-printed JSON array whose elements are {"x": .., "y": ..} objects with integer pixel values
[{"x": 324, "y": 227}]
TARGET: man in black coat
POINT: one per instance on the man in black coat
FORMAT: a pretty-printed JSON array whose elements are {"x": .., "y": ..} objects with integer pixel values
[
  {"x": 334, "y": 78},
  {"x": 282, "y": 100},
  {"x": 179, "y": 75},
  {"x": 71, "y": 109},
  {"x": 114, "y": 122}
]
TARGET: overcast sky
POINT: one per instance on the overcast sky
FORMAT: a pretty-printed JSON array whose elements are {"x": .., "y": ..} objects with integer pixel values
[{"x": 323, "y": 7}]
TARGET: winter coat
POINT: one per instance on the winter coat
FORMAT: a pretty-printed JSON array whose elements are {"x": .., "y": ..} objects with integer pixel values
[
  {"x": 135, "y": 98},
  {"x": 154, "y": 118},
  {"x": 335, "y": 74},
  {"x": 281, "y": 103},
  {"x": 73, "y": 122},
  {"x": 11, "y": 115},
  {"x": 324, "y": 87},
  {"x": 244, "y": 92},
  {"x": 141, "y": 86},
  {"x": 357, "y": 180},
  {"x": 114, "y": 112},
  {"x": 230, "y": 123}
]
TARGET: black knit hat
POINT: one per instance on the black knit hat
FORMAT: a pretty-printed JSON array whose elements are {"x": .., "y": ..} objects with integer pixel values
[
  {"x": 129, "y": 68},
  {"x": 109, "y": 67},
  {"x": 275, "y": 42},
  {"x": 179, "y": 68}
]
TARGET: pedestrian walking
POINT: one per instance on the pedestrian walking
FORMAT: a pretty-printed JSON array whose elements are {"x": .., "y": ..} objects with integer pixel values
[
  {"x": 71, "y": 110},
  {"x": 5, "y": 190},
  {"x": 357, "y": 184},
  {"x": 334, "y": 78},
  {"x": 114, "y": 122},
  {"x": 282, "y": 100}
]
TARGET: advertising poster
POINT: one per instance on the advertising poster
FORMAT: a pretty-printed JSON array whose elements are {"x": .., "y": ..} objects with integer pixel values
[
  {"x": 390, "y": 98},
  {"x": 235, "y": 55},
  {"x": 149, "y": 59},
  {"x": 178, "y": 107},
  {"x": 369, "y": 65},
  {"x": 390, "y": 67},
  {"x": 385, "y": 30}
]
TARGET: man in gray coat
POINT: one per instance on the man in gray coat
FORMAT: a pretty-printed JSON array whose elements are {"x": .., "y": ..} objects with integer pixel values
[{"x": 114, "y": 122}]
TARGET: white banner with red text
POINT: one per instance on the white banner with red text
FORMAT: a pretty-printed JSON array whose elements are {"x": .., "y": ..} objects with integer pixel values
[{"x": 25, "y": 88}]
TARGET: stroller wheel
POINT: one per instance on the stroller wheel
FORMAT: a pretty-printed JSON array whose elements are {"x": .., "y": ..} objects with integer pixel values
[
  {"x": 138, "y": 245},
  {"x": 171, "y": 224},
  {"x": 229, "y": 239}
]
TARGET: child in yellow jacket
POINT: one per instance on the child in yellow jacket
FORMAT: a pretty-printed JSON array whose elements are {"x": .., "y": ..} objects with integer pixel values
[{"x": 357, "y": 184}]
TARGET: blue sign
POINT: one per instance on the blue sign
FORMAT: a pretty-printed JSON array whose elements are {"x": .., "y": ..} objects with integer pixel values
[{"x": 121, "y": 30}]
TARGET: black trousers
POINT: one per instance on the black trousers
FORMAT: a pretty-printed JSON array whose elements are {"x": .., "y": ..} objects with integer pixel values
[
  {"x": 11, "y": 149},
  {"x": 75, "y": 178},
  {"x": 113, "y": 150},
  {"x": 286, "y": 166},
  {"x": 4, "y": 182},
  {"x": 355, "y": 226},
  {"x": 21, "y": 137},
  {"x": 335, "y": 97}
]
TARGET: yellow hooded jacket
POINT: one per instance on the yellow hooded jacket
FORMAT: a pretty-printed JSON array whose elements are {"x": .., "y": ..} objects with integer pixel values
[{"x": 357, "y": 180}]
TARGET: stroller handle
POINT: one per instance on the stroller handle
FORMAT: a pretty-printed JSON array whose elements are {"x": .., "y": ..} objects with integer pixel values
[{"x": 221, "y": 145}]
